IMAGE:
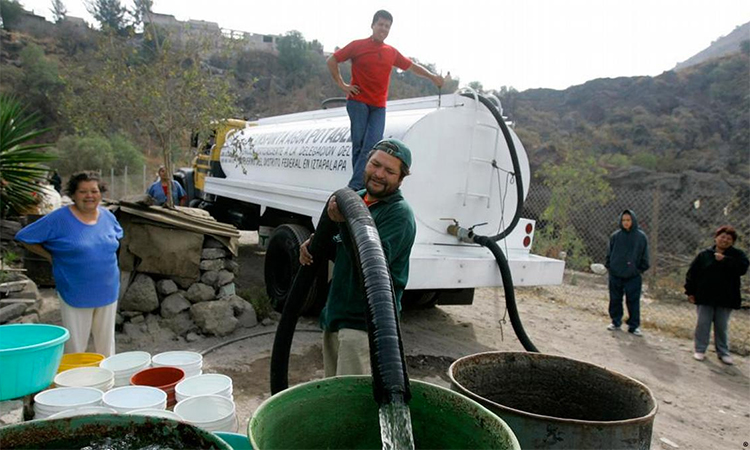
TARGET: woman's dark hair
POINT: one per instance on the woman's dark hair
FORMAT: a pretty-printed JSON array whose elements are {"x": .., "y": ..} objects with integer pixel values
[
  {"x": 79, "y": 177},
  {"x": 382, "y": 14},
  {"x": 728, "y": 229}
]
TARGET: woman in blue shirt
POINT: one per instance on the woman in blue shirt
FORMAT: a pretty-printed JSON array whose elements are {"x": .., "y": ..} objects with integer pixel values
[{"x": 81, "y": 242}]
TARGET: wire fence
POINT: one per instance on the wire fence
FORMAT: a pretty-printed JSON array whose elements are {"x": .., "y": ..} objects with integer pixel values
[
  {"x": 678, "y": 227},
  {"x": 124, "y": 181}
]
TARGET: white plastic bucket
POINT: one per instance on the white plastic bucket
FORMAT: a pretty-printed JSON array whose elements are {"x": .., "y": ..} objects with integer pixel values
[
  {"x": 84, "y": 411},
  {"x": 210, "y": 412},
  {"x": 124, "y": 365},
  {"x": 95, "y": 377},
  {"x": 190, "y": 362},
  {"x": 52, "y": 401},
  {"x": 156, "y": 413},
  {"x": 206, "y": 384},
  {"x": 131, "y": 398}
]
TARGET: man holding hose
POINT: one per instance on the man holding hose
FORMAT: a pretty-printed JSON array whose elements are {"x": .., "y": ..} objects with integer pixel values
[
  {"x": 366, "y": 95},
  {"x": 345, "y": 341}
]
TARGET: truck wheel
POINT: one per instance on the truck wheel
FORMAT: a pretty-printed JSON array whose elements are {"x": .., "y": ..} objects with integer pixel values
[
  {"x": 282, "y": 264},
  {"x": 419, "y": 299}
]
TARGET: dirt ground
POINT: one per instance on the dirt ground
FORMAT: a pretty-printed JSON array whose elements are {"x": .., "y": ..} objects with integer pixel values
[{"x": 702, "y": 405}]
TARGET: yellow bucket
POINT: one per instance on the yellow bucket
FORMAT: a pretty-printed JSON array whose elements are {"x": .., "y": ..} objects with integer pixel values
[{"x": 73, "y": 360}]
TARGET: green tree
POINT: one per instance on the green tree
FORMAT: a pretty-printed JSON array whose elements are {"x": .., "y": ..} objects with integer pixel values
[
  {"x": 85, "y": 152},
  {"x": 141, "y": 8},
  {"x": 294, "y": 52},
  {"x": 59, "y": 11},
  {"x": 109, "y": 13},
  {"x": 161, "y": 93},
  {"x": 41, "y": 83},
  {"x": 20, "y": 158},
  {"x": 477, "y": 86},
  {"x": 10, "y": 11},
  {"x": 575, "y": 185}
]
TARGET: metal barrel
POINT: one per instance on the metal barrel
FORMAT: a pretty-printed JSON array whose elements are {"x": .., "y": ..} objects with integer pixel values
[{"x": 552, "y": 402}]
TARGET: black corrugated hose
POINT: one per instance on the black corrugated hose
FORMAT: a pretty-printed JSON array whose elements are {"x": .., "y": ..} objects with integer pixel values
[
  {"x": 514, "y": 160},
  {"x": 390, "y": 380},
  {"x": 282, "y": 343},
  {"x": 510, "y": 296}
]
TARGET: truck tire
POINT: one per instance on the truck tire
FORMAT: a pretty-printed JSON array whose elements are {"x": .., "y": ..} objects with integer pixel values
[
  {"x": 419, "y": 299},
  {"x": 281, "y": 265}
]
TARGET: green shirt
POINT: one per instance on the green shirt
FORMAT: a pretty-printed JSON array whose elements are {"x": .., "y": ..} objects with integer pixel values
[{"x": 346, "y": 303}]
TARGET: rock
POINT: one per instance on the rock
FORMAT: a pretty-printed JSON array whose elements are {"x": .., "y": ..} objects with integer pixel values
[
  {"x": 119, "y": 319},
  {"x": 129, "y": 314},
  {"x": 29, "y": 318},
  {"x": 212, "y": 264},
  {"x": 248, "y": 318},
  {"x": 192, "y": 337},
  {"x": 213, "y": 253},
  {"x": 166, "y": 287},
  {"x": 225, "y": 277},
  {"x": 141, "y": 295},
  {"x": 275, "y": 316},
  {"x": 183, "y": 283},
  {"x": 10, "y": 312},
  {"x": 212, "y": 242},
  {"x": 232, "y": 266},
  {"x": 200, "y": 292},
  {"x": 227, "y": 290},
  {"x": 11, "y": 412},
  {"x": 180, "y": 324},
  {"x": 137, "y": 319},
  {"x": 133, "y": 331},
  {"x": 173, "y": 305},
  {"x": 598, "y": 269},
  {"x": 210, "y": 278},
  {"x": 152, "y": 322},
  {"x": 216, "y": 318},
  {"x": 267, "y": 322},
  {"x": 239, "y": 304},
  {"x": 666, "y": 443}
]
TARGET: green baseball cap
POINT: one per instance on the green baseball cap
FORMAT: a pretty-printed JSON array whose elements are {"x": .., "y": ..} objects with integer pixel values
[{"x": 395, "y": 147}]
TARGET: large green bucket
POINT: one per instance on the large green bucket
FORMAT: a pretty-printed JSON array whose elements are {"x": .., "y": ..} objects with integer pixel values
[
  {"x": 127, "y": 431},
  {"x": 340, "y": 412}
]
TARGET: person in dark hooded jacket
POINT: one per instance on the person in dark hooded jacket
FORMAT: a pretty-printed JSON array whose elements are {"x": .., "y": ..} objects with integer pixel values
[
  {"x": 627, "y": 259},
  {"x": 712, "y": 283}
]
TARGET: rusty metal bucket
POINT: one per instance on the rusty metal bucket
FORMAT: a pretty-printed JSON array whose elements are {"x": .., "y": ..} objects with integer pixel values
[{"x": 552, "y": 402}]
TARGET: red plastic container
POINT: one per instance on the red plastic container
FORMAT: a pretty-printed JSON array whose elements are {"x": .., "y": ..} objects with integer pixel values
[{"x": 164, "y": 378}]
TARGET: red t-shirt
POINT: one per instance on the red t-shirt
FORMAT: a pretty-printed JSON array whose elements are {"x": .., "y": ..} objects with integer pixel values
[{"x": 371, "y": 68}]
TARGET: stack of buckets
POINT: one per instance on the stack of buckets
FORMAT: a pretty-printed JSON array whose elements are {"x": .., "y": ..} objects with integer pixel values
[{"x": 127, "y": 383}]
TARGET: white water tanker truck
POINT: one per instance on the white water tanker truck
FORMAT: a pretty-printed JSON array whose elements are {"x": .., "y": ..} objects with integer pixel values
[{"x": 276, "y": 174}]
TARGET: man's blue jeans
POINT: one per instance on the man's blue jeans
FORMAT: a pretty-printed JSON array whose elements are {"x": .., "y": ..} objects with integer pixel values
[
  {"x": 367, "y": 126},
  {"x": 631, "y": 287}
]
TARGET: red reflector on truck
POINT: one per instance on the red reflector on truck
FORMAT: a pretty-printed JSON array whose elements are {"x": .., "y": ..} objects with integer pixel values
[
  {"x": 526, "y": 241},
  {"x": 529, "y": 229}
]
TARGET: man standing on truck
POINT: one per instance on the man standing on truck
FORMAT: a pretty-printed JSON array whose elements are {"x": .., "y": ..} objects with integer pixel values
[
  {"x": 627, "y": 259},
  {"x": 345, "y": 341},
  {"x": 372, "y": 60}
]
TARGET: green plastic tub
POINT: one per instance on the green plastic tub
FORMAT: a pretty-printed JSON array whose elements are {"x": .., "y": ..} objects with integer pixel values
[
  {"x": 340, "y": 412},
  {"x": 30, "y": 354},
  {"x": 235, "y": 440},
  {"x": 108, "y": 431}
]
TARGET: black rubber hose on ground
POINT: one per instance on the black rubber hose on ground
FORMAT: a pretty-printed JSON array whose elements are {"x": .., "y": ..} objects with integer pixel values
[
  {"x": 510, "y": 296},
  {"x": 390, "y": 380},
  {"x": 303, "y": 281},
  {"x": 514, "y": 160}
]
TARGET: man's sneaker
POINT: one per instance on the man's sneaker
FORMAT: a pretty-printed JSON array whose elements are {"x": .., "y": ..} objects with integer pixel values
[
  {"x": 698, "y": 356},
  {"x": 613, "y": 327},
  {"x": 726, "y": 359},
  {"x": 636, "y": 332}
]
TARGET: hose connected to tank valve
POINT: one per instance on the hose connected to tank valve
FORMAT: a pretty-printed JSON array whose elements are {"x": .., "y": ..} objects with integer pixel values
[
  {"x": 468, "y": 235},
  {"x": 390, "y": 380}
]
